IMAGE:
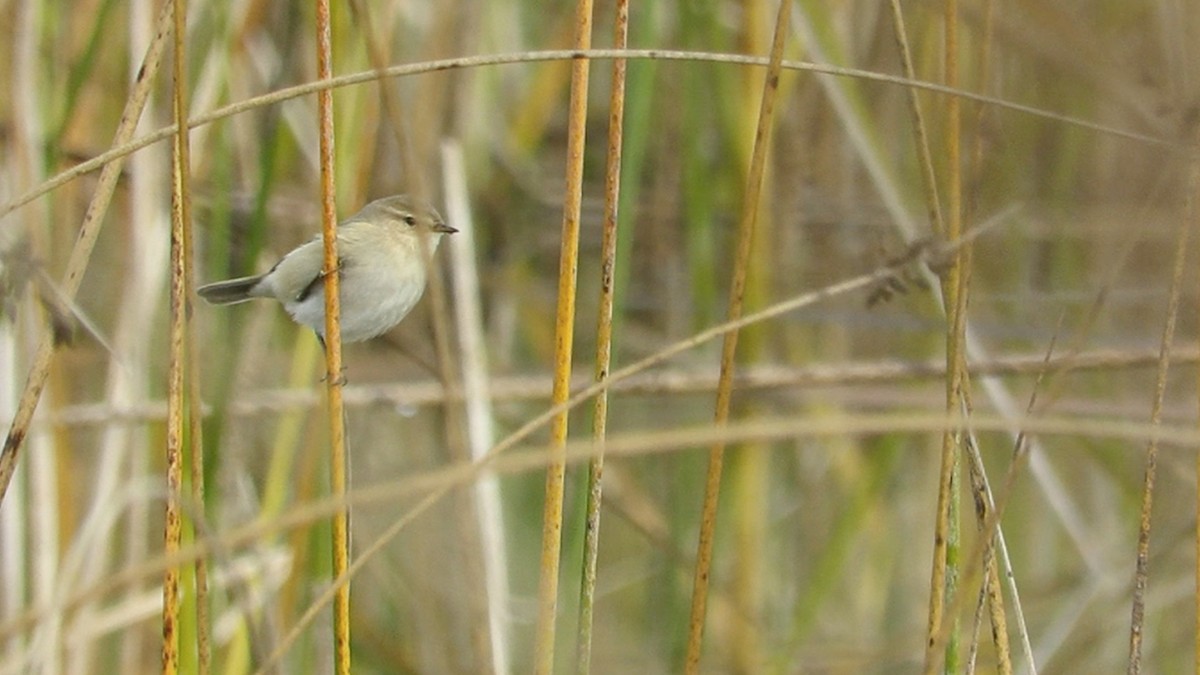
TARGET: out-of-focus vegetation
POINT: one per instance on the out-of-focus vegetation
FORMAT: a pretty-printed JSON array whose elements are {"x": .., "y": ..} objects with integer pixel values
[{"x": 824, "y": 542}]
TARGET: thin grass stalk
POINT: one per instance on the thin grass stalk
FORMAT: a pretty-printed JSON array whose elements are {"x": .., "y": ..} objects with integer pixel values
[
  {"x": 477, "y": 386},
  {"x": 333, "y": 345},
  {"x": 608, "y": 263},
  {"x": 80, "y": 255},
  {"x": 945, "y": 529},
  {"x": 746, "y": 225},
  {"x": 933, "y": 204},
  {"x": 979, "y": 482},
  {"x": 177, "y": 354},
  {"x": 564, "y": 329},
  {"x": 1141, "y": 573}
]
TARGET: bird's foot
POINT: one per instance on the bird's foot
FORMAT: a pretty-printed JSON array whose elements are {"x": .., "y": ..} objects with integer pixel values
[{"x": 340, "y": 381}]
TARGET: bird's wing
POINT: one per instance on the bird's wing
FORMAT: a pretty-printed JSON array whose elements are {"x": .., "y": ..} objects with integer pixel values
[{"x": 295, "y": 277}]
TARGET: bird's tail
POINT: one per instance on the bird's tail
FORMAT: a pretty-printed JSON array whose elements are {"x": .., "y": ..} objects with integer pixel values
[{"x": 229, "y": 292}]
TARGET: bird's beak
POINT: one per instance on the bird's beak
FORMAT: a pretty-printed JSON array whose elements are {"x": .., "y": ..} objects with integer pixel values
[{"x": 443, "y": 228}]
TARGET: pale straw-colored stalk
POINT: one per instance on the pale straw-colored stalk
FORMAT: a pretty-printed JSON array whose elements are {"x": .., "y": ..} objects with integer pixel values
[{"x": 477, "y": 394}]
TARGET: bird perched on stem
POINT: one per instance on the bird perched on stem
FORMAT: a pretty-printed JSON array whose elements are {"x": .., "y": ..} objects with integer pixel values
[{"x": 380, "y": 261}]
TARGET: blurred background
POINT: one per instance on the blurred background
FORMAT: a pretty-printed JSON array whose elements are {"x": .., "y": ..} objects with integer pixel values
[{"x": 824, "y": 541}]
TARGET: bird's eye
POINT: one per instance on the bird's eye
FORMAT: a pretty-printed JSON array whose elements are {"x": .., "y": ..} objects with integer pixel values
[{"x": 410, "y": 219}]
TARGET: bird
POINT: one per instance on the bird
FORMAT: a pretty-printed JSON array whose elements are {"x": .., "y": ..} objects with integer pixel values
[{"x": 381, "y": 270}]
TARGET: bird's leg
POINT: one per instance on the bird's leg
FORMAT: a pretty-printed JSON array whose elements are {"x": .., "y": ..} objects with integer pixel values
[
  {"x": 324, "y": 272},
  {"x": 341, "y": 381}
]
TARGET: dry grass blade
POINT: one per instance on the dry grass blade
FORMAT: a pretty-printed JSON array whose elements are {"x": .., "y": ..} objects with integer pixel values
[
  {"x": 340, "y": 544},
  {"x": 564, "y": 328},
  {"x": 749, "y": 216},
  {"x": 81, "y": 253}
]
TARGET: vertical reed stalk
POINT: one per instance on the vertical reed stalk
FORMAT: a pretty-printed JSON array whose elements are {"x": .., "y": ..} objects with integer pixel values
[
  {"x": 333, "y": 346},
  {"x": 746, "y": 225},
  {"x": 182, "y": 210},
  {"x": 945, "y": 549},
  {"x": 564, "y": 328},
  {"x": 608, "y": 262}
]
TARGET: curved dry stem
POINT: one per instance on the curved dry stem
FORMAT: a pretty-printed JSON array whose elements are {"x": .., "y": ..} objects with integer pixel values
[{"x": 127, "y": 147}]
